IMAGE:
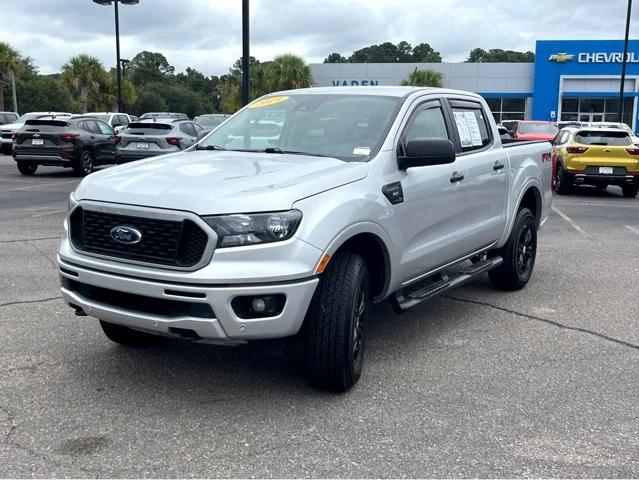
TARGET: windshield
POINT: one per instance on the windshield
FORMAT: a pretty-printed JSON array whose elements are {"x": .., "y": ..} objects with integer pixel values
[
  {"x": 104, "y": 118},
  {"x": 348, "y": 127},
  {"x": 543, "y": 128}
]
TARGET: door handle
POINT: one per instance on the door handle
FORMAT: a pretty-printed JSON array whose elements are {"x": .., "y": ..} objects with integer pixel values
[
  {"x": 457, "y": 177},
  {"x": 498, "y": 165}
]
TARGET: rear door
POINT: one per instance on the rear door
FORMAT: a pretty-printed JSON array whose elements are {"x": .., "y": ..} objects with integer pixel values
[
  {"x": 107, "y": 142},
  {"x": 96, "y": 140},
  {"x": 483, "y": 163}
]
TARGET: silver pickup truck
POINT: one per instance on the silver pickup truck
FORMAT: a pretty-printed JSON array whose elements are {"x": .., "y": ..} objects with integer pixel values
[{"x": 300, "y": 211}]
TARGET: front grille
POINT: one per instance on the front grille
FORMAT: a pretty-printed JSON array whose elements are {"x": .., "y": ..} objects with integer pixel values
[
  {"x": 6, "y": 136},
  {"x": 595, "y": 171},
  {"x": 165, "y": 242},
  {"x": 138, "y": 303}
]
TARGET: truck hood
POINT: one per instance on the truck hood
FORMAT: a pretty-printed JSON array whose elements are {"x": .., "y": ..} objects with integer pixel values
[{"x": 217, "y": 182}]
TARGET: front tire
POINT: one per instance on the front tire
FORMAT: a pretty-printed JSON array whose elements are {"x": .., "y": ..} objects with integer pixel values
[
  {"x": 127, "y": 336},
  {"x": 630, "y": 191},
  {"x": 563, "y": 181},
  {"x": 519, "y": 254},
  {"x": 337, "y": 324},
  {"x": 27, "y": 168},
  {"x": 84, "y": 165}
]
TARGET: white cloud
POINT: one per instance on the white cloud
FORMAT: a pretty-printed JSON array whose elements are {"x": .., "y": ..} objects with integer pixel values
[{"x": 206, "y": 34}]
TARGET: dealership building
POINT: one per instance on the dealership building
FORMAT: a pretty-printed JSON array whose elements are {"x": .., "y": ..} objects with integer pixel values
[{"x": 570, "y": 80}]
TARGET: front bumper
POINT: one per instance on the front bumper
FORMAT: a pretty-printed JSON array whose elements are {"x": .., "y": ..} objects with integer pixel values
[{"x": 223, "y": 327}]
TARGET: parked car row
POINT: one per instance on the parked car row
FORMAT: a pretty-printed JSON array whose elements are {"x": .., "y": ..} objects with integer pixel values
[{"x": 83, "y": 142}]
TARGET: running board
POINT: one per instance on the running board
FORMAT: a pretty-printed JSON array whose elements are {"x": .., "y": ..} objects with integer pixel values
[{"x": 409, "y": 297}]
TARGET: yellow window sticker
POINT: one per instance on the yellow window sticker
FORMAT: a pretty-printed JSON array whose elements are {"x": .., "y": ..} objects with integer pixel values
[{"x": 265, "y": 102}]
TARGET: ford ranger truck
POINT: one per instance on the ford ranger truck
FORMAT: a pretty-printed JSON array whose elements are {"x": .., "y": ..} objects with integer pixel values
[{"x": 298, "y": 213}]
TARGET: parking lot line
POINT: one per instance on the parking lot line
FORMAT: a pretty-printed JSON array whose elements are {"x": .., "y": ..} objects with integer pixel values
[
  {"x": 48, "y": 213},
  {"x": 570, "y": 221}
]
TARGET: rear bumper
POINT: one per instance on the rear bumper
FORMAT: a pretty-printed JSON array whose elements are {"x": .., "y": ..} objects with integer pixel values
[
  {"x": 223, "y": 326},
  {"x": 589, "y": 179},
  {"x": 48, "y": 160},
  {"x": 6, "y": 141},
  {"x": 124, "y": 157}
]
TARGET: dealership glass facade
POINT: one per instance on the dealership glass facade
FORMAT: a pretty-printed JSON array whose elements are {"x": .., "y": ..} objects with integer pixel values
[
  {"x": 595, "y": 109},
  {"x": 507, "y": 108}
]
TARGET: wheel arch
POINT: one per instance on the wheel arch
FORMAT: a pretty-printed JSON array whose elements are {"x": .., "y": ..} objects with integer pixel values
[{"x": 372, "y": 243}]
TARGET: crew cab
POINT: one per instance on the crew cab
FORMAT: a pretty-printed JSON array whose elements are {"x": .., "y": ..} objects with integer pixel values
[
  {"x": 596, "y": 156},
  {"x": 396, "y": 193}
]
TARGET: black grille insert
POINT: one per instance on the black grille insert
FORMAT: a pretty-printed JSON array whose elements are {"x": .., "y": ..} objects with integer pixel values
[
  {"x": 139, "y": 303},
  {"x": 165, "y": 242}
]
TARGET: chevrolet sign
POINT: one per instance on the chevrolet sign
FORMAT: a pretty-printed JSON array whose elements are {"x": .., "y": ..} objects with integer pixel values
[{"x": 561, "y": 58}]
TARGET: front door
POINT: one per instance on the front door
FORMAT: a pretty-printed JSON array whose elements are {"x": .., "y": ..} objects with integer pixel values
[
  {"x": 591, "y": 117},
  {"x": 430, "y": 218}
]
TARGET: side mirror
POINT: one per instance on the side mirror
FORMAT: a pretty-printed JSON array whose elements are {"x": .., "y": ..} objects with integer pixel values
[
  {"x": 422, "y": 152},
  {"x": 202, "y": 134}
]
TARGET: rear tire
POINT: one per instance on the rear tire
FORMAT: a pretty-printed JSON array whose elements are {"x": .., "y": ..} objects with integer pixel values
[
  {"x": 519, "y": 254},
  {"x": 601, "y": 186},
  {"x": 27, "y": 168},
  {"x": 127, "y": 336},
  {"x": 336, "y": 324},
  {"x": 563, "y": 181},
  {"x": 83, "y": 166},
  {"x": 630, "y": 191}
]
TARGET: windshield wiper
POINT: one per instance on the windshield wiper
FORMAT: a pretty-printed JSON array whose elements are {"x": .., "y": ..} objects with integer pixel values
[
  {"x": 289, "y": 152},
  {"x": 208, "y": 147}
]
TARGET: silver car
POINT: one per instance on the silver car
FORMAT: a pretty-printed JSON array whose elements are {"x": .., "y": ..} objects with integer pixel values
[
  {"x": 148, "y": 138},
  {"x": 210, "y": 121}
]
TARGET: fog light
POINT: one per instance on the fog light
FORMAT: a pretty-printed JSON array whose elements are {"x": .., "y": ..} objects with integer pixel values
[{"x": 259, "y": 306}]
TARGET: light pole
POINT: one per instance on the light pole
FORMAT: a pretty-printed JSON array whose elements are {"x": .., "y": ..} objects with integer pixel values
[
  {"x": 624, "y": 63},
  {"x": 124, "y": 63},
  {"x": 246, "y": 74},
  {"x": 117, "y": 39}
]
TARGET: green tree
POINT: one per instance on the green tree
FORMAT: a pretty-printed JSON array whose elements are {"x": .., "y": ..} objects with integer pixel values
[
  {"x": 10, "y": 64},
  {"x": 44, "y": 93},
  {"x": 236, "y": 69},
  {"x": 150, "y": 99},
  {"x": 424, "y": 78},
  {"x": 286, "y": 72},
  {"x": 148, "y": 67},
  {"x": 335, "y": 58},
  {"x": 229, "y": 94},
  {"x": 424, "y": 53},
  {"x": 109, "y": 97},
  {"x": 85, "y": 75},
  {"x": 479, "y": 55}
]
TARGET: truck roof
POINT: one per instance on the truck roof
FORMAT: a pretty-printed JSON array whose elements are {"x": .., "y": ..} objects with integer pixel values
[{"x": 376, "y": 90}]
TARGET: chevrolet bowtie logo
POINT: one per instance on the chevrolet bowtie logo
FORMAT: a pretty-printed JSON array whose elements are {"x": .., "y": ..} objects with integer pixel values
[{"x": 561, "y": 58}]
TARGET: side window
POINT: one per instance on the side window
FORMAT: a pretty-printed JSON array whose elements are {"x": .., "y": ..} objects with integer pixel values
[
  {"x": 105, "y": 129},
  {"x": 197, "y": 127},
  {"x": 115, "y": 121},
  {"x": 188, "y": 129},
  {"x": 93, "y": 127},
  {"x": 123, "y": 119},
  {"x": 428, "y": 122},
  {"x": 83, "y": 126},
  {"x": 472, "y": 127}
]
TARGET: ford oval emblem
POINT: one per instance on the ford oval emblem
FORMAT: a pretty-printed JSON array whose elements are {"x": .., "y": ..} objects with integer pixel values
[{"x": 126, "y": 235}]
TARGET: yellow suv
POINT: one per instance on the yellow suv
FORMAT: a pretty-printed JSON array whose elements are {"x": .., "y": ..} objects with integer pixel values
[{"x": 596, "y": 156}]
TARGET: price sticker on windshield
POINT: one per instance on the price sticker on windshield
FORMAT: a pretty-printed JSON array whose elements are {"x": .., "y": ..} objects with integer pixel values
[{"x": 265, "y": 102}]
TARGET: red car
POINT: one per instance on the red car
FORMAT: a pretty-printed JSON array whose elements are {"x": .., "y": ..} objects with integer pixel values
[{"x": 532, "y": 130}]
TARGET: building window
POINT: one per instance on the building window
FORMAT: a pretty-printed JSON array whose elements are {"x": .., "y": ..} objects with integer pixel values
[
  {"x": 507, "y": 108},
  {"x": 595, "y": 110}
]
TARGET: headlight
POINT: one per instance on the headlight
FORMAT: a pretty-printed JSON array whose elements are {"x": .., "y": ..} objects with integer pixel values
[
  {"x": 71, "y": 203},
  {"x": 249, "y": 229}
]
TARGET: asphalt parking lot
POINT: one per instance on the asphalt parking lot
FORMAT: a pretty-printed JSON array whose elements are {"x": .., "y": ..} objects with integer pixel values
[{"x": 538, "y": 383}]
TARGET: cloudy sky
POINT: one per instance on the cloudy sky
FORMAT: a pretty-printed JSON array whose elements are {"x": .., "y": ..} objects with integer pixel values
[{"x": 206, "y": 34}]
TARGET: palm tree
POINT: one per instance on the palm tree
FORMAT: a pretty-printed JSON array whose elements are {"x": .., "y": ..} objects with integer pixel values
[
  {"x": 424, "y": 78},
  {"x": 85, "y": 75},
  {"x": 286, "y": 72},
  {"x": 10, "y": 64}
]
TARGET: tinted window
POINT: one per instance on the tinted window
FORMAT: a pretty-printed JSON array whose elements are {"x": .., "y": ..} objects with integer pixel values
[
  {"x": 123, "y": 119},
  {"x": 105, "y": 129},
  {"x": 147, "y": 129},
  {"x": 93, "y": 127},
  {"x": 472, "y": 127},
  {"x": 188, "y": 129},
  {"x": 594, "y": 137},
  {"x": 197, "y": 127},
  {"x": 428, "y": 123},
  {"x": 83, "y": 126}
]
